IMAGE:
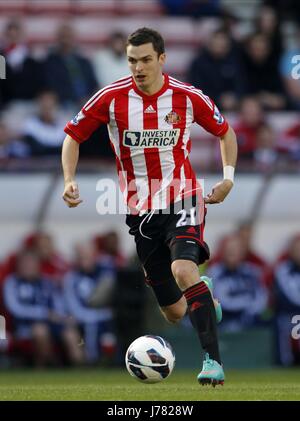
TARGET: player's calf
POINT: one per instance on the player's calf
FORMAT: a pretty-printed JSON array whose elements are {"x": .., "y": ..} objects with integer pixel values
[{"x": 201, "y": 308}]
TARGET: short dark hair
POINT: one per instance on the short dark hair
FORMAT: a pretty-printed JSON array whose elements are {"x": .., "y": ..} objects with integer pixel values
[{"x": 146, "y": 35}]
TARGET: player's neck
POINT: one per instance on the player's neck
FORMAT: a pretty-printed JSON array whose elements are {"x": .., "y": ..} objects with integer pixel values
[{"x": 155, "y": 87}]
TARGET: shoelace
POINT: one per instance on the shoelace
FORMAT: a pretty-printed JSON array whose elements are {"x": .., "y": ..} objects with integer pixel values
[{"x": 207, "y": 363}]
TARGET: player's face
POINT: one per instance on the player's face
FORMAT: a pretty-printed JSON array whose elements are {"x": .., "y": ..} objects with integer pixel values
[{"x": 145, "y": 65}]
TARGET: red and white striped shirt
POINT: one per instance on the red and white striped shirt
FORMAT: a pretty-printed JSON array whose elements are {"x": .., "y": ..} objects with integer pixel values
[{"x": 150, "y": 136}]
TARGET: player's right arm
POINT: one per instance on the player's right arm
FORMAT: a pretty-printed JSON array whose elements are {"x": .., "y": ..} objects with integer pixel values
[
  {"x": 70, "y": 155},
  {"x": 78, "y": 130}
]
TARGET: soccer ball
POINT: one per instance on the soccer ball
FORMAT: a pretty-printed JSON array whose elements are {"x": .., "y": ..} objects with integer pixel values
[{"x": 150, "y": 359}]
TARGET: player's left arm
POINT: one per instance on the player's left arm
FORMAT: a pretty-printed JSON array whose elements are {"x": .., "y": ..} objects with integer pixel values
[
  {"x": 228, "y": 147},
  {"x": 208, "y": 116}
]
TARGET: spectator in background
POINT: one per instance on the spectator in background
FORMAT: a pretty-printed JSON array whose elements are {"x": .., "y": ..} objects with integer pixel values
[
  {"x": 110, "y": 64},
  {"x": 239, "y": 287},
  {"x": 24, "y": 75},
  {"x": 68, "y": 73},
  {"x": 9, "y": 146},
  {"x": 88, "y": 294},
  {"x": 245, "y": 233},
  {"x": 287, "y": 304},
  {"x": 267, "y": 23},
  {"x": 250, "y": 119},
  {"x": 53, "y": 264},
  {"x": 193, "y": 8},
  {"x": 290, "y": 142},
  {"x": 108, "y": 245},
  {"x": 9, "y": 264},
  {"x": 43, "y": 131},
  {"x": 265, "y": 154},
  {"x": 31, "y": 302},
  {"x": 262, "y": 73},
  {"x": 286, "y": 9},
  {"x": 290, "y": 72},
  {"x": 216, "y": 70}
]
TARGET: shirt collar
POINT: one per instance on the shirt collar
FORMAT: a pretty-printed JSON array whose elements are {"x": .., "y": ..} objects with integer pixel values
[{"x": 157, "y": 94}]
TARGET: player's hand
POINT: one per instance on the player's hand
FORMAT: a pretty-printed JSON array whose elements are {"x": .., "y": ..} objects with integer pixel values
[
  {"x": 71, "y": 194},
  {"x": 219, "y": 192}
]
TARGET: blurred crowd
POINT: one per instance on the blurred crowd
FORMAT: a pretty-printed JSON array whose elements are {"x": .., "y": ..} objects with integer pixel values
[
  {"x": 61, "y": 312},
  {"x": 254, "y": 292},
  {"x": 88, "y": 310},
  {"x": 249, "y": 76}
]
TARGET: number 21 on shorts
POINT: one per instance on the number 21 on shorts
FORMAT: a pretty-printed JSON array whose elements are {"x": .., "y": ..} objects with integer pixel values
[{"x": 186, "y": 218}]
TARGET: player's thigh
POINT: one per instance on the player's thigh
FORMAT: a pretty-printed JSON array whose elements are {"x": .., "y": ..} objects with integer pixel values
[
  {"x": 185, "y": 238},
  {"x": 184, "y": 231}
]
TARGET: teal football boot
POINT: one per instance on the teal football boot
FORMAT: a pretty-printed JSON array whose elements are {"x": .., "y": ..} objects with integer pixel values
[
  {"x": 212, "y": 373},
  {"x": 218, "y": 308}
]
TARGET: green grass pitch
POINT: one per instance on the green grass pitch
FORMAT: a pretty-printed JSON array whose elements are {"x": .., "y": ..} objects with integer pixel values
[{"x": 117, "y": 385}]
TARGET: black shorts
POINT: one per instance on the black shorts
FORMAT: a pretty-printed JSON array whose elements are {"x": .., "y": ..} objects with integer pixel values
[{"x": 164, "y": 236}]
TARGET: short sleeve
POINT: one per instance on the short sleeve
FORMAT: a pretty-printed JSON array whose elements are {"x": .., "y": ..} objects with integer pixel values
[
  {"x": 90, "y": 117},
  {"x": 207, "y": 114}
]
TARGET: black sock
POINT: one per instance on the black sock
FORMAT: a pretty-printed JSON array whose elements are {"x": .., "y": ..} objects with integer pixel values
[{"x": 202, "y": 313}]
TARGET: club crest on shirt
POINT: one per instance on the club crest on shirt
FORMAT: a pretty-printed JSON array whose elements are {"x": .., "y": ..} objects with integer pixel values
[{"x": 172, "y": 118}]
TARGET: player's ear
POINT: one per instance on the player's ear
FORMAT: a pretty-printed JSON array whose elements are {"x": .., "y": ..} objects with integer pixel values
[{"x": 162, "y": 59}]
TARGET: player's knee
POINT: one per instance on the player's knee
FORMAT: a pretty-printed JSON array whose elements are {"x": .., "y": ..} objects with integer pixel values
[
  {"x": 185, "y": 272},
  {"x": 180, "y": 273}
]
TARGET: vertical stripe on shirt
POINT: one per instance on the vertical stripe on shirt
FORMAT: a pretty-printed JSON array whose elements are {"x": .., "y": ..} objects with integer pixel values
[
  {"x": 136, "y": 123},
  {"x": 121, "y": 105},
  {"x": 151, "y": 154},
  {"x": 166, "y": 157}
]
